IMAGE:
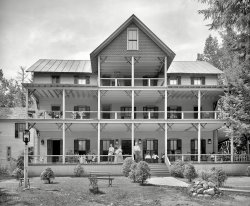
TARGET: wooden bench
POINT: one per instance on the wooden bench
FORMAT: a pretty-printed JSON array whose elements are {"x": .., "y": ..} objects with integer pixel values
[
  {"x": 21, "y": 180},
  {"x": 94, "y": 176}
]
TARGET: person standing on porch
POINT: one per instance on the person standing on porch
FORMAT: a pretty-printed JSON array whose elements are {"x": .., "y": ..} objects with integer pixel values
[
  {"x": 111, "y": 153},
  {"x": 137, "y": 152}
]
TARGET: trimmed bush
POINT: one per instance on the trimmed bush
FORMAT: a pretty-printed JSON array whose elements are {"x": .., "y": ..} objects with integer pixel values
[
  {"x": 142, "y": 172},
  {"x": 248, "y": 171},
  {"x": 216, "y": 175},
  {"x": 126, "y": 166},
  {"x": 190, "y": 172},
  {"x": 47, "y": 175},
  {"x": 177, "y": 169},
  {"x": 78, "y": 170},
  {"x": 17, "y": 173},
  {"x": 132, "y": 173}
]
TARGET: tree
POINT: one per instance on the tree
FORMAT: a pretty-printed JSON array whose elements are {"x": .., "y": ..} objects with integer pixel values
[{"x": 232, "y": 19}]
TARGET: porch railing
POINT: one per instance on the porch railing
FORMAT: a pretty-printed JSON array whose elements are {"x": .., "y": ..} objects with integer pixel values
[
  {"x": 74, "y": 159},
  {"x": 217, "y": 158},
  {"x": 149, "y": 82},
  {"x": 193, "y": 114}
]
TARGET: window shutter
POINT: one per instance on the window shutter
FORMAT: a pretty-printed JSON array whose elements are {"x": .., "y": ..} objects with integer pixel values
[
  {"x": 16, "y": 130},
  {"x": 76, "y": 108},
  {"x": 179, "y": 80},
  {"x": 203, "y": 80},
  {"x": 155, "y": 146},
  {"x": 203, "y": 146},
  {"x": 144, "y": 145},
  {"x": 87, "y": 80},
  {"x": 169, "y": 146},
  {"x": 76, "y": 146},
  {"x": 101, "y": 147},
  {"x": 87, "y": 145},
  {"x": 192, "y": 80},
  {"x": 179, "y": 146},
  {"x": 61, "y": 147},
  {"x": 168, "y": 114},
  {"x": 75, "y": 79},
  {"x": 156, "y": 114},
  {"x": 179, "y": 109},
  {"x": 168, "y": 80}
]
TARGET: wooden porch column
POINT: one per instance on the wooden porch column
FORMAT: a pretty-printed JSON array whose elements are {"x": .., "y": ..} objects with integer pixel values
[
  {"x": 132, "y": 139},
  {"x": 166, "y": 105},
  {"x": 64, "y": 149},
  {"x": 199, "y": 142},
  {"x": 199, "y": 104},
  {"x": 98, "y": 142},
  {"x": 232, "y": 148},
  {"x": 133, "y": 71},
  {"x": 99, "y": 105},
  {"x": 133, "y": 104},
  {"x": 25, "y": 172},
  {"x": 63, "y": 103},
  {"x": 165, "y": 72},
  {"x": 99, "y": 72},
  {"x": 166, "y": 142}
]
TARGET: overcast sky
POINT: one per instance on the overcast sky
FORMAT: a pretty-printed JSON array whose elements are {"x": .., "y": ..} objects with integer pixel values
[{"x": 72, "y": 29}]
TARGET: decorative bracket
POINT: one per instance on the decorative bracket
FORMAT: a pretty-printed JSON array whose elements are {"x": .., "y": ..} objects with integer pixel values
[
  {"x": 95, "y": 126},
  {"x": 59, "y": 125},
  {"x": 203, "y": 125},
  {"x": 170, "y": 125},
  {"x": 31, "y": 125},
  {"x": 137, "y": 92},
  {"x": 137, "y": 125},
  {"x": 68, "y": 126},
  {"x": 128, "y": 59},
  {"x": 103, "y": 92},
  {"x": 58, "y": 92},
  {"x": 103, "y": 126},
  {"x": 128, "y": 93},
  {"x": 161, "y": 127},
  {"x": 137, "y": 59},
  {"x": 128, "y": 127}
]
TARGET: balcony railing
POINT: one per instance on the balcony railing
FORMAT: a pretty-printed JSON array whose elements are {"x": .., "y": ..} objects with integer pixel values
[
  {"x": 81, "y": 115},
  {"x": 141, "y": 82}
]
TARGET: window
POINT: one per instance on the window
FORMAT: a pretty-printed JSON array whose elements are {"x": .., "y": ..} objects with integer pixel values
[
  {"x": 152, "y": 110},
  {"x": 174, "y": 112},
  {"x": 150, "y": 146},
  {"x": 126, "y": 112},
  {"x": 132, "y": 39},
  {"x": 194, "y": 148},
  {"x": 174, "y": 147},
  {"x": 175, "y": 80},
  {"x": 198, "y": 80},
  {"x": 55, "y": 112},
  {"x": 19, "y": 129},
  {"x": 55, "y": 79},
  {"x": 81, "y": 147},
  {"x": 81, "y": 80},
  {"x": 82, "y": 114}
]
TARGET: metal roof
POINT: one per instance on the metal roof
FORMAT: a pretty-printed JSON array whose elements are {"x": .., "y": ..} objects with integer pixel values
[
  {"x": 193, "y": 67},
  {"x": 53, "y": 65}
]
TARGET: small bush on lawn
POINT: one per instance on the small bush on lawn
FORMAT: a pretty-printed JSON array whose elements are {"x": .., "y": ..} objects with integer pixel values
[
  {"x": 177, "y": 168},
  {"x": 220, "y": 175},
  {"x": 78, "y": 170},
  {"x": 190, "y": 172},
  {"x": 142, "y": 172},
  {"x": 132, "y": 173},
  {"x": 216, "y": 175},
  {"x": 17, "y": 173},
  {"x": 126, "y": 166},
  {"x": 47, "y": 175}
]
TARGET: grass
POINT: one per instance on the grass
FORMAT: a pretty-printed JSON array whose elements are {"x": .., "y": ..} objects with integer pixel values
[{"x": 75, "y": 191}]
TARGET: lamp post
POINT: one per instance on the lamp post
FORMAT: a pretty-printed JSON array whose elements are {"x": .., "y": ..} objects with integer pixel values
[{"x": 26, "y": 139}]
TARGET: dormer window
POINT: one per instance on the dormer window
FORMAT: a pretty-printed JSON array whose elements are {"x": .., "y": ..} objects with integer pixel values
[
  {"x": 132, "y": 35},
  {"x": 81, "y": 80},
  {"x": 198, "y": 81},
  {"x": 55, "y": 79}
]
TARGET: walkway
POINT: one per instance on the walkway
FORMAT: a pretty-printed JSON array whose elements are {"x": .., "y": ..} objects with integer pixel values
[{"x": 168, "y": 181}]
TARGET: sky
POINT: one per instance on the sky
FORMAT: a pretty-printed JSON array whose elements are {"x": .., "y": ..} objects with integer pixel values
[{"x": 72, "y": 29}]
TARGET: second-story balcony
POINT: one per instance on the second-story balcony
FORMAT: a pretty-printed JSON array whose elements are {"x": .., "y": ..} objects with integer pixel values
[{"x": 121, "y": 115}]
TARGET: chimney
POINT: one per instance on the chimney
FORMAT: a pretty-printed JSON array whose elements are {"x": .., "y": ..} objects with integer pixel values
[{"x": 199, "y": 57}]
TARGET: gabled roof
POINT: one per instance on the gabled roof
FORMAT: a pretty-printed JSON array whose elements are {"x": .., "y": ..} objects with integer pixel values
[
  {"x": 144, "y": 28},
  {"x": 53, "y": 65},
  {"x": 193, "y": 67}
]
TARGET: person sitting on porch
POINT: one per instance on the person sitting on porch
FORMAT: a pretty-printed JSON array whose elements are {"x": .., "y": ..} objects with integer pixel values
[
  {"x": 82, "y": 159},
  {"x": 155, "y": 158},
  {"x": 137, "y": 152},
  {"x": 94, "y": 159},
  {"x": 163, "y": 158},
  {"x": 148, "y": 157},
  {"x": 111, "y": 153}
]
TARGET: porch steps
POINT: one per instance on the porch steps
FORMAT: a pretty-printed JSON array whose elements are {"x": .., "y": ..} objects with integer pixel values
[{"x": 159, "y": 170}]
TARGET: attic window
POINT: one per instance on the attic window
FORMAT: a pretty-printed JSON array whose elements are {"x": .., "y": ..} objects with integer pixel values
[{"x": 132, "y": 43}]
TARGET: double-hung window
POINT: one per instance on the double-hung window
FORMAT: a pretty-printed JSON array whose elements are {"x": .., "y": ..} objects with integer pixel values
[
  {"x": 55, "y": 79},
  {"x": 81, "y": 80},
  {"x": 132, "y": 36},
  {"x": 19, "y": 129},
  {"x": 198, "y": 81}
]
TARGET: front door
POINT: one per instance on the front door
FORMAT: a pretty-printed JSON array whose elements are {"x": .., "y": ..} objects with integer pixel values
[
  {"x": 104, "y": 149},
  {"x": 54, "y": 147},
  {"x": 194, "y": 148},
  {"x": 126, "y": 147}
]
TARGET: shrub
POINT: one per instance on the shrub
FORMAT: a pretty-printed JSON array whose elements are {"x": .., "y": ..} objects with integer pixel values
[
  {"x": 142, "y": 172},
  {"x": 189, "y": 172},
  {"x": 177, "y": 169},
  {"x": 248, "y": 171},
  {"x": 126, "y": 166},
  {"x": 78, "y": 170},
  {"x": 20, "y": 162},
  {"x": 221, "y": 176},
  {"x": 17, "y": 173},
  {"x": 216, "y": 175},
  {"x": 132, "y": 173},
  {"x": 47, "y": 174}
]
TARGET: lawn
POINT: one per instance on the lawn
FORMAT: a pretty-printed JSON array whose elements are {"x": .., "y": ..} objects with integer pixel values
[{"x": 75, "y": 191}]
